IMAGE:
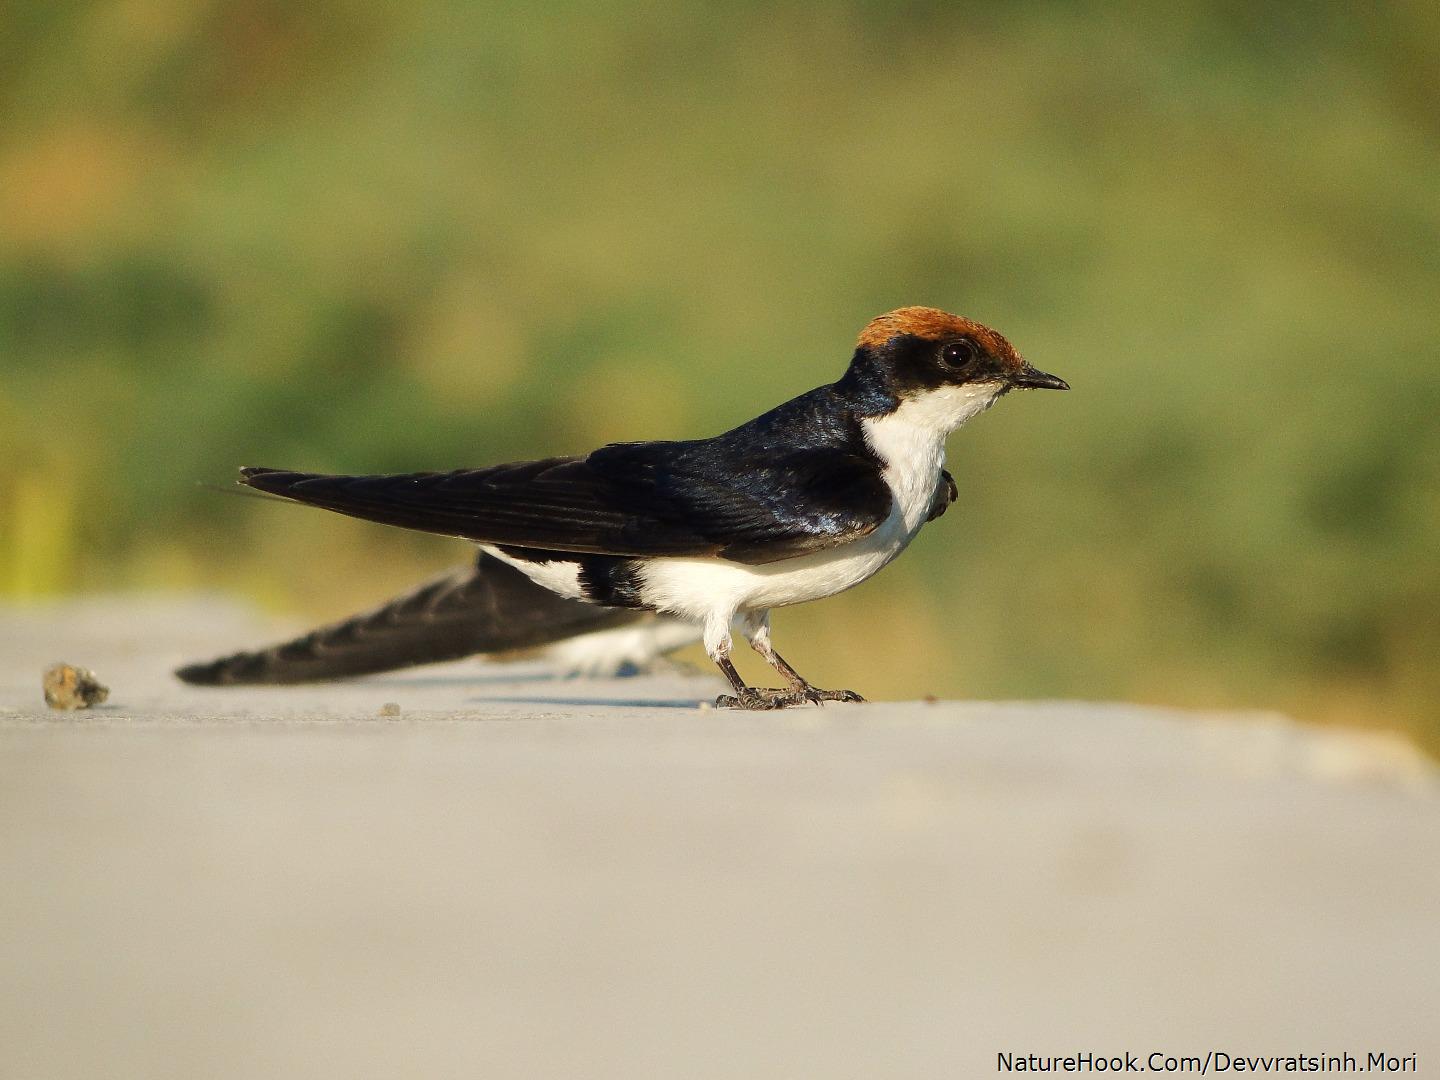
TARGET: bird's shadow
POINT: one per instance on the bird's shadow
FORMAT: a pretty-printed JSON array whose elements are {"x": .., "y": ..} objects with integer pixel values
[
  {"x": 501, "y": 680},
  {"x": 442, "y": 682},
  {"x": 594, "y": 702},
  {"x": 518, "y": 679}
]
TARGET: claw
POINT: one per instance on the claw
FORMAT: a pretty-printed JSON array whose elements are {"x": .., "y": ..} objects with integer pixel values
[
  {"x": 764, "y": 697},
  {"x": 817, "y": 696},
  {"x": 750, "y": 698}
]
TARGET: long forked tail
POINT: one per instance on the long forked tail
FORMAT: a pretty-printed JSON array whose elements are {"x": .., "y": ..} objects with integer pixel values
[{"x": 487, "y": 608}]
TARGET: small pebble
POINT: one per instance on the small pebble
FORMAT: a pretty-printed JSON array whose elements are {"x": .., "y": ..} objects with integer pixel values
[
  {"x": 390, "y": 708},
  {"x": 71, "y": 687}
]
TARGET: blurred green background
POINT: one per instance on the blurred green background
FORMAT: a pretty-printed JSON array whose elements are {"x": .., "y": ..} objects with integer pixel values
[{"x": 354, "y": 237}]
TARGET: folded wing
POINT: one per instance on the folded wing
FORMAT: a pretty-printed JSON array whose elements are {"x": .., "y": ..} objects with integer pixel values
[{"x": 636, "y": 499}]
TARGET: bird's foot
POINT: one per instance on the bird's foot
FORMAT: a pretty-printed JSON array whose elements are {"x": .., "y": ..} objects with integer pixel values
[
  {"x": 760, "y": 697},
  {"x": 819, "y": 697},
  {"x": 765, "y": 697}
]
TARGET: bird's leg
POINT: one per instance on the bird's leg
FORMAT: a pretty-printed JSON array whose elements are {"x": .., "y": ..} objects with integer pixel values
[
  {"x": 756, "y": 627},
  {"x": 717, "y": 645}
]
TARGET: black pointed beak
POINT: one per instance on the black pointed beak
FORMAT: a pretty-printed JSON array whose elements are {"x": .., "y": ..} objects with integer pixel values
[{"x": 1029, "y": 378}]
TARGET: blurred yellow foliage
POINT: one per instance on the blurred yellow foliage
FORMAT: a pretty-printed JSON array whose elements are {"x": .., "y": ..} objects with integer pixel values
[{"x": 37, "y": 537}]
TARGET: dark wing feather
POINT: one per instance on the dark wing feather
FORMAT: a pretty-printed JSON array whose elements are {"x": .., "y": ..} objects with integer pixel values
[
  {"x": 945, "y": 494},
  {"x": 633, "y": 499},
  {"x": 487, "y": 608}
]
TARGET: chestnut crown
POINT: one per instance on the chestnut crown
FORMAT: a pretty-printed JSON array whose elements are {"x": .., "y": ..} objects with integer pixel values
[{"x": 913, "y": 349}]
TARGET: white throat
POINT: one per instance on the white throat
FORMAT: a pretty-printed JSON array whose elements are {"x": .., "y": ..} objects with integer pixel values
[{"x": 910, "y": 442}]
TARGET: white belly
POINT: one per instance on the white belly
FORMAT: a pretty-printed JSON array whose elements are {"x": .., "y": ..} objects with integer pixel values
[{"x": 706, "y": 588}]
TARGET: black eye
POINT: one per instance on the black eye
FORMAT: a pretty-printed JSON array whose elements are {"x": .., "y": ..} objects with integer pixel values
[{"x": 959, "y": 353}]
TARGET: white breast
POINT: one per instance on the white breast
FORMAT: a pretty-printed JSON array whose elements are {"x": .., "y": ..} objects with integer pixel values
[{"x": 911, "y": 443}]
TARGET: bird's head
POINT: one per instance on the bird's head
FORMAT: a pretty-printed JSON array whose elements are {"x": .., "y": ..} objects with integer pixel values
[{"x": 952, "y": 363}]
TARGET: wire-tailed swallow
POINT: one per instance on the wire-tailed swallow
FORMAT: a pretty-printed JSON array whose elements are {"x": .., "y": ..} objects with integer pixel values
[{"x": 804, "y": 501}]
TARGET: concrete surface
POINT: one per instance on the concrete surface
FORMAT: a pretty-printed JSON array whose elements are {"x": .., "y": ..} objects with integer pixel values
[{"x": 527, "y": 877}]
